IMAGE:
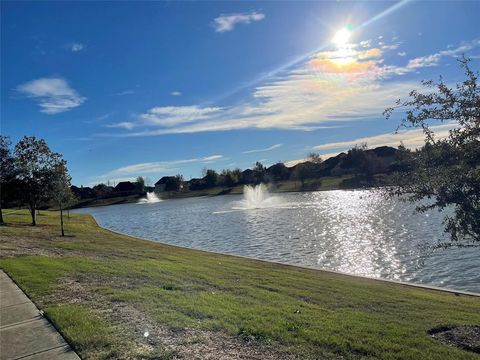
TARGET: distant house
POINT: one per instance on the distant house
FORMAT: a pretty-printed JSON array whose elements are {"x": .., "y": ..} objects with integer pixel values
[
  {"x": 169, "y": 183},
  {"x": 125, "y": 186},
  {"x": 248, "y": 176},
  {"x": 196, "y": 184},
  {"x": 161, "y": 185}
]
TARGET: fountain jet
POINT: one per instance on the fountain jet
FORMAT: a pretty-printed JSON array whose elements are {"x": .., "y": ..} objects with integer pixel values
[
  {"x": 257, "y": 197},
  {"x": 150, "y": 199}
]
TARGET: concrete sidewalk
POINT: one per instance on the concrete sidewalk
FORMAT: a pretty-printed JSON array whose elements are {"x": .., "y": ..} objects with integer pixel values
[{"x": 24, "y": 332}]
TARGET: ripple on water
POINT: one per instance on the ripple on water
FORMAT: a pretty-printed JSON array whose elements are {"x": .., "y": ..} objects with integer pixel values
[{"x": 357, "y": 232}]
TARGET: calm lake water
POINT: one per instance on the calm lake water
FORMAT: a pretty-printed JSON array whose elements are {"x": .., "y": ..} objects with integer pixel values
[{"x": 357, "y": 232}]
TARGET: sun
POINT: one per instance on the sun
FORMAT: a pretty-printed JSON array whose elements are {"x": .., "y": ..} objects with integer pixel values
[{"x": 342, "y": 36}]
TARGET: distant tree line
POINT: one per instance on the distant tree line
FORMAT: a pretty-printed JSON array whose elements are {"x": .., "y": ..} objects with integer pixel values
[
  {"x": 360, "y": 162},
  {"x": 32, "y": 175}
]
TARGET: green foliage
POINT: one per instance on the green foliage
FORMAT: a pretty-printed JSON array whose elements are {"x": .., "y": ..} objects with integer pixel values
[
  {"x": 36, "y": 167},
  {"x": 312, "y": 314},
  {"x": 446, "y": 171},
  {"x": 7, "y": 168},
  {"x": 140, "y": 183},
  {"x": 210, "y": 178},
  {"x": 314, "y": 158}
]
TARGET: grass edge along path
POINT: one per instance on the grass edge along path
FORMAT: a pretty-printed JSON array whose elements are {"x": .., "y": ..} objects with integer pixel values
[{"x": 105, "y": 291}]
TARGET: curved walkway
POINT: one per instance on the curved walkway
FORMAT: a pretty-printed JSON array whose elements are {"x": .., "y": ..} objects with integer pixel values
[{"x": 24, "y": 332}]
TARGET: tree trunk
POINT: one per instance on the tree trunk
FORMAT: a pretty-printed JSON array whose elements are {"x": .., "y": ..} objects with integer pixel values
[
  {"x": 61, "y": 220},
  {"x": 33, "y": 212},
  {"x": 1, "y": 213}
]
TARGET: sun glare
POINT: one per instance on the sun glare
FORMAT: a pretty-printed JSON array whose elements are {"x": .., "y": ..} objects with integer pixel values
[{"x": 341, "y": 37}]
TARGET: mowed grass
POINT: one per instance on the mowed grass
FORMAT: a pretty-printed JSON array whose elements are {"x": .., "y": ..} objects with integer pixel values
[{"x": 307, "y": 313}]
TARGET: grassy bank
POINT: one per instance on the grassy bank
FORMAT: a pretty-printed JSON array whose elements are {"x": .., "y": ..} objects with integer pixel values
[
  {"x": 117, "y": 200},
  {"x": 105, "y": 290}
]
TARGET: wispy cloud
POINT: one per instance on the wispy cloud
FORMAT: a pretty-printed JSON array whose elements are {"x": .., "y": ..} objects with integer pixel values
[
  {"x": 270, "y": 148},
  {"x": 391, "y": 46},
  {"x": 54, "y": 95},
  {"x": 122, "y": 125},
  {"x": 225, "y": 23},
  {"x": 176, "y": 115},
  {"x": 160, "y": 167},
  {"x": 76, "y": 47},
  {"x": 125, "y": 92},
  {"x": 431, "y": 60},
  {"x": 212, "y": 158},
  {"x": 330, "y": 89},
  {"x": 413, "y": 139},
  {"x": 176, "y": 93}
]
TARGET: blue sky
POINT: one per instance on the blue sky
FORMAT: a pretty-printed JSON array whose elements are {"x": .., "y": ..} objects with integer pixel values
[{"x": 126, "y": 89}]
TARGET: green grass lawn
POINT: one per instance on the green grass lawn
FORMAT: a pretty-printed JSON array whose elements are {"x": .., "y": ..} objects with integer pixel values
[{"x": 104, "y": 290}]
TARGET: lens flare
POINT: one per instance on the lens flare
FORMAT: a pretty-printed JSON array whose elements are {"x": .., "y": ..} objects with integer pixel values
[{"x": 342, "y": 36}]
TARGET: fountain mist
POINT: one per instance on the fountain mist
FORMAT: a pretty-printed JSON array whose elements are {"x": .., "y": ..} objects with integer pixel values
[
  {"x": 150, "y": 199},
  {"x": 257, "y": 197}
]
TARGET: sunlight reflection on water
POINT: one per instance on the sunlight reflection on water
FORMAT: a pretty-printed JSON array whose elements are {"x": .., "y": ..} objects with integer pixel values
[{"x": 357, "y": 232}]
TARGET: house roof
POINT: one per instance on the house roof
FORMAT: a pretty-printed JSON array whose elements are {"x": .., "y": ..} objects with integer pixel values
[
  {"x": 125, "y": 186},
  {"x": 163, "y": 180}
]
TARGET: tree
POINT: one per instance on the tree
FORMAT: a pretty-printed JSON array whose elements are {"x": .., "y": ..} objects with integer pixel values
[
  {"x": 174, "y": 183},
  {"x": 6, "y": 168},
  {"x": 279, "y": 171},
  {"x": 230, "y": 177},
  {"x": 210, "y": 178},
  {"x": 61, "y": 192},
  {"x": 101, "y": 190},
  {"x": 140, "y": 183},
  {"x": 356, "y": 159},
  {"x": 301, "y": 173},
  {"x": 314, "y": 158},
  {"x": 260, "y": 171},
  {"x": 35, "y": 164},
  {"x": 446, "y": 171}
]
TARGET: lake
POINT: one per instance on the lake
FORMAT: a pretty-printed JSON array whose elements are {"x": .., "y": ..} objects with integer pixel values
[{"x": 357, "y": 232}]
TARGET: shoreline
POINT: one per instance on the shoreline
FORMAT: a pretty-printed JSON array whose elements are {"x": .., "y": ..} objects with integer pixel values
[
  {"x": 398, "y": 282},
  {"x": 290, "y": 186},
  {"x": 104, "y": 290}
]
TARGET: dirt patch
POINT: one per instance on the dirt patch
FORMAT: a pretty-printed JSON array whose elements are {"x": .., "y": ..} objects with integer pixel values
[
  {"x": 463, "y": 337},
  {"x": 15, "y": 246},
  {"x": 151, "y": 337}
]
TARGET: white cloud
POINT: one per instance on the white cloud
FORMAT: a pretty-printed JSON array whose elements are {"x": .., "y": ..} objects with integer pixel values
[
  {"x": 176, "y": 93},
  {"x": 129, "y": 172},
  {"x": 270, "y": 148},
  {"x": 122, "y": 125},
  {"x": 366, "y": 43},
  {"x": 329, "y": 89},
  {"x": 225, "y": 23},
  {"x": 298, "y": 101},
  {"x": 412, "y": 139},
  {"x": 175, "y": 115},
  {"x": 431, "y": 59},
  {"x": 76, "y": 47},
  {"x": 402, "y": 53},
  {"x": 53, "y": 95},
  {"x": 213, "y": 158},
  {"x": 391, "y": 47}
]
